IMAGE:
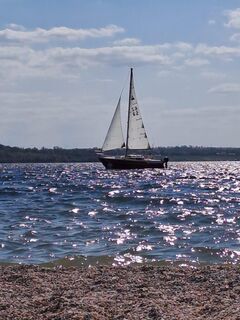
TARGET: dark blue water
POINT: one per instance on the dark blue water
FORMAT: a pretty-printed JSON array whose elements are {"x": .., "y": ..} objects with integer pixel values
[{"x": 190, "y": 212}]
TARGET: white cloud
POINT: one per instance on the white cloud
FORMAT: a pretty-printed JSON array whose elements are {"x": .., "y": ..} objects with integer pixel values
[
  {"x": 183, "y": 46},
  {"x": 233, "y": 18},
  {"x": 110, "y": 55},
  {"x": 28, "y": 61},
  {"x": 212, "y": 75},
  {"x": 51, "y": 61},
  {"x": 235, "y": 37},
  {"x": 203, "y": 111},
  {"x": 15, "y": 53},
  {"x": 15, "y": 26},
  {"x": 196, "y": 62},
  {"x": 77, "y": 57},
  {"x": 19, "y": 34},
  {"x": 217, "y": 50},
  {"x": 226, "y": 88},
  {"x": 127, "y": 42},
  {"x": 211, "y": 22}
]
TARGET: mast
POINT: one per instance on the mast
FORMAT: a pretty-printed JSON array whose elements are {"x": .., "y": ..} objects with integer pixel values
[{"x": 129, "y": 104}]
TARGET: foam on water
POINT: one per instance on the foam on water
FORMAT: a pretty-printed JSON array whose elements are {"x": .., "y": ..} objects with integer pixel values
[{"x": 190, "y": 212}]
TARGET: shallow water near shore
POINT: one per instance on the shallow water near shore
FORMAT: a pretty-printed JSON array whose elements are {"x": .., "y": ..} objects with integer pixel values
[{"x": 71, "y": 213}]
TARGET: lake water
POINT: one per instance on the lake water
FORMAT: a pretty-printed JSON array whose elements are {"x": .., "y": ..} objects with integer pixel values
[{"x": 75, "y": 212}]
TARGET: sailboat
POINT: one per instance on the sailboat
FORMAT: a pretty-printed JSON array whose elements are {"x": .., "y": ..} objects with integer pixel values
[{"x": 136, "y": 138}]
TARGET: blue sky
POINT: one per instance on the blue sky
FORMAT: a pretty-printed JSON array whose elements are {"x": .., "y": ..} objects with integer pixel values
[{"x": 63, "y": 64}]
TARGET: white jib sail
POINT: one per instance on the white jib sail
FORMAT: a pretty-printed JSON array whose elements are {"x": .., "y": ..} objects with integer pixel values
[
  {"x": 137, "y": 137},
  {"x": 114, "y": 138}
]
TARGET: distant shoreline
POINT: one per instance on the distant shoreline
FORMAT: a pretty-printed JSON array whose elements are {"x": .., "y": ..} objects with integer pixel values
[{"x": 59, "y": 155}]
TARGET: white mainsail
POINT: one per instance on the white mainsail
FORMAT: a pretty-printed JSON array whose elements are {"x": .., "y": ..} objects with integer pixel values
[
  {"x": 136, "y": 136},
  {"x": 114, "y": 138}
]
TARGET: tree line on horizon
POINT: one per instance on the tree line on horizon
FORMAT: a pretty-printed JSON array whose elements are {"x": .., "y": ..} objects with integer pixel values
[{"x": 56, "y": 154}]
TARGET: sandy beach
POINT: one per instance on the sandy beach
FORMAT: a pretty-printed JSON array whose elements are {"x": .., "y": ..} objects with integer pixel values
[{"x": 133, "y": 292}]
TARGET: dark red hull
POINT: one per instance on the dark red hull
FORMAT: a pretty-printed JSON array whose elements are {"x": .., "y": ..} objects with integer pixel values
[{"x": 129, "y": 163}]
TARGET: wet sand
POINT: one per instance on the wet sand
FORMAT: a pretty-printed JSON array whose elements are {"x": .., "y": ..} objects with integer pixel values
[{"x": 133, "y": 292}]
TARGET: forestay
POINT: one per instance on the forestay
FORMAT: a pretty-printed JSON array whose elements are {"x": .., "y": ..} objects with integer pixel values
[
  {"x": 114, "y": 138},
  {"x": 137, "y": 137}
]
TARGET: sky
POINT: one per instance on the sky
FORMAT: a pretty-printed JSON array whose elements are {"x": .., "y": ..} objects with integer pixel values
[{"x": 64, "y": 63}]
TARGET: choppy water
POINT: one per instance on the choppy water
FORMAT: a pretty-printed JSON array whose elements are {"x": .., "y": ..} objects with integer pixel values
[{"x": 190, "y": 212}]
